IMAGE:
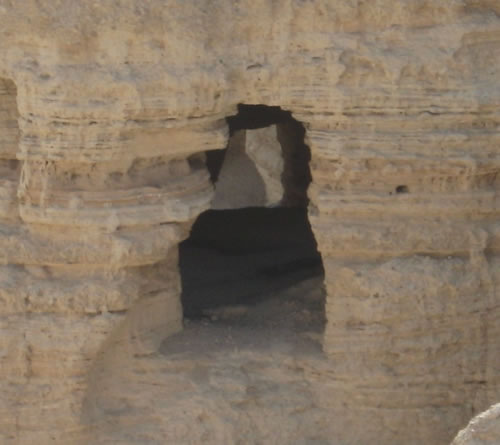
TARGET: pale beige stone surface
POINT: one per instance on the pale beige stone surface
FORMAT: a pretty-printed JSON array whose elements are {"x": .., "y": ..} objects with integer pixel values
[
  {"x": 240, "y": 183},
  {"x": 265, "y": 151},
  {"x": 252, "y": 172},
  {"x": 102, "y": 105},
  {"x": 484, "y": 429}
]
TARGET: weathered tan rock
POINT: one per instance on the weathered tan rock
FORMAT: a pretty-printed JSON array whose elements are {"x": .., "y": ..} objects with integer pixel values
[
  {"x": 484, "y": 429},
  {"x": 264, "y": 149},
  {"x": 252, "y": 171},
  {"x": 98, "y": 185},
  {"x": 239, "y": 183}
]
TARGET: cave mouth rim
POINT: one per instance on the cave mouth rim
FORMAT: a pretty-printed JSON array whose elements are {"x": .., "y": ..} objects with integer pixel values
[
  {"x": 259, "y": 116},
  {"x": 256, "y": 116},
  {"x": 240, "y": 269}
]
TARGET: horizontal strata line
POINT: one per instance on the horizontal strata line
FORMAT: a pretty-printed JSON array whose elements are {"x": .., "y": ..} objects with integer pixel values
[
  {"x": 111, "y": 153},
  {"x": 209, "y": 122},
  {"x": 103, "y": 280},
  {"x": 110, "y": 262},
  {"x": 118, "y": 204},
  {"x": 357, "y": 206},
  {"x": 398, "y": 400},
  {"x": 360, "y": 126},
  {"x": 402, "y": 106},
  {"x": 474, "y": 160},
  {"x": 373, "y": 254},
  {"x": 366, "y": 209},
  {"x": 352, "y": 330},
  {"x": 391, "y": 326},
  {"x": 366, "y": 130},
  {"x": 34, "y": 133},
  {"x": 435, "y": 383},
  {"x": 64, "y": 312},
  {"x": 401, "y": 137},
  {"x": 122, "y": 197},
  {"x": 474, "y": 199},
  {"x": 398, "y": 225},
  {"x": 137, "y": 215},
  {"x": 68, "y": 316},
  {"x": 392, "y": 131}
]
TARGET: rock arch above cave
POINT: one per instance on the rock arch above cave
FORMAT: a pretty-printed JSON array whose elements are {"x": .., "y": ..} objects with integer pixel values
[{"x": 266, "y": 162}]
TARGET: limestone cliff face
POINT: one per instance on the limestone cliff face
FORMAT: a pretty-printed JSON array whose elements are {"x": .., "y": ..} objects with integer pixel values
[{"x": 103, "y": 104}]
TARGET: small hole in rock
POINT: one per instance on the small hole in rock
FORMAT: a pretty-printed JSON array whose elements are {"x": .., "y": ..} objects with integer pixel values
[{"x": 402, "y": 189}]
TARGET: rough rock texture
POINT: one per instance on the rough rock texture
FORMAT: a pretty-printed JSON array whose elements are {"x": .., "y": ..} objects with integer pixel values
[
  {"x": 98, "y": 185},
  {"x": 484, "y": 429},
  {"x": 261, "y": 168},
  {"x": 257, "y": 375},
  {"x": 239, "y": 183},
  {"x": 265, "y": 151}
]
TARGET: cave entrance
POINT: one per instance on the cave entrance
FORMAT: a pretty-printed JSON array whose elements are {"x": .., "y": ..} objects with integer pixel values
[{"x": 255, "y": 246}]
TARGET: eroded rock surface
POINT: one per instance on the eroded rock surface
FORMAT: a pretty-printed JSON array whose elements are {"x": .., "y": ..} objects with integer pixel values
[
  {"x": 484, "y": 429},
  {"x": 105, "y": 109},
  {"x": 239, "y": 183}
]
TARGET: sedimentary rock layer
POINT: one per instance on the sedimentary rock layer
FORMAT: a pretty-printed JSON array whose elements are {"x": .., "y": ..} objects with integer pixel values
[{"x": 98, "y": 184}]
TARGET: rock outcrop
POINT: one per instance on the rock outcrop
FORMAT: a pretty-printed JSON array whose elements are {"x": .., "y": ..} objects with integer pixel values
[
  {"x": 484, "y": 429},
  {"x": 240, "y": 183},
  {"x": 105, "y": 111}
]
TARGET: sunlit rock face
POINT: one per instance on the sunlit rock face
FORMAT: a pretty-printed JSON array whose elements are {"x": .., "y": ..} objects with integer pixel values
[
  {"x": 484, "y": 429},
  {"x": 107, "y": 112}
]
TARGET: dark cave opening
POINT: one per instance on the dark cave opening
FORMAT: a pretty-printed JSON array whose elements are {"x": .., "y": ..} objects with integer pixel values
[{"x": 242, "y": 256}]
